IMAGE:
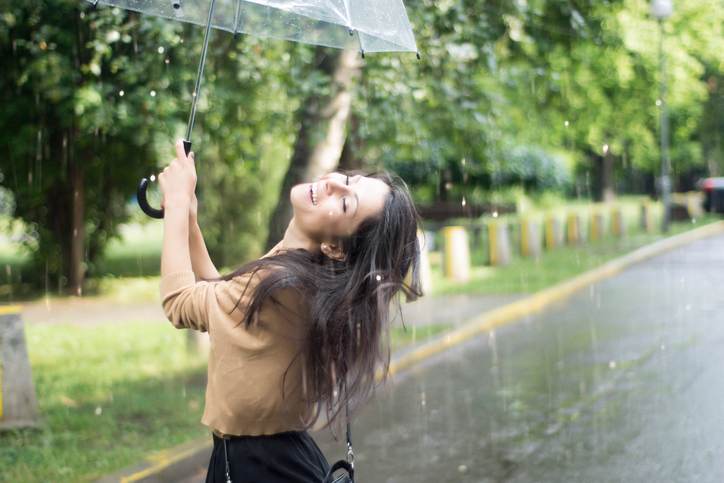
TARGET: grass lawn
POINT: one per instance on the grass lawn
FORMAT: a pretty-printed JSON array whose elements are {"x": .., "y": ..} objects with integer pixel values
[
  {"x": 526, "y": 275},
  {"x": 108, "y": 395}
]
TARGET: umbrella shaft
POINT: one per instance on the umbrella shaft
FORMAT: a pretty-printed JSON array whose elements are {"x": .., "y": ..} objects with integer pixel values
[{"x": 200, "y": 73}]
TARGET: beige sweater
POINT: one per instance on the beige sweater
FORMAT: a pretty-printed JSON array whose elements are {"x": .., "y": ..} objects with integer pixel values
[{"x": 246, "y": 366}]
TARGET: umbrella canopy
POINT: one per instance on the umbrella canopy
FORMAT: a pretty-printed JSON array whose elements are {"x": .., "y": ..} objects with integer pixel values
[{"x": 374, "y": 25}]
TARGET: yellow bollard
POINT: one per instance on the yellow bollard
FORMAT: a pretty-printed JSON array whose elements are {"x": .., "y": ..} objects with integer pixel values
[
  {"x": 596, "y": 229},
  {"x": 618, "y": 227},
  {"x": 573, "y": 229},
  {"x": 530, "y": 240},
  {"x": 425, "y": 272},
  {"x": 498, "y": 242},
  {"x": 553, "y": 233},
  {"x": 647, "y": 219},
  {"x": 457, "y": 253},
  {"x": 524, "y": 236}
]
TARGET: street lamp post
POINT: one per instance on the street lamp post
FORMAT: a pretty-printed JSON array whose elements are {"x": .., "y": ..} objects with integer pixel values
[{"x": 661, "y": 10}]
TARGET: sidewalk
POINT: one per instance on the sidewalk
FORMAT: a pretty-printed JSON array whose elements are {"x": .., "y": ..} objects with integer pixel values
[{"x": 100, "y": 310}]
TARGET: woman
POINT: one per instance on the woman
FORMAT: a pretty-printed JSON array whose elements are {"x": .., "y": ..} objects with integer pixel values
[{"x": 300, "y": 329}]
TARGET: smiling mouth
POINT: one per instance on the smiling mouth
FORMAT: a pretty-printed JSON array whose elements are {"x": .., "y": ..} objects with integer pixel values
[{"x": 312, "y": 193}]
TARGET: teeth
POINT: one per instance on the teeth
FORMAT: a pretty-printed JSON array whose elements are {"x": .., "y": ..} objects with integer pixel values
[{"x": 314, "y": 193}]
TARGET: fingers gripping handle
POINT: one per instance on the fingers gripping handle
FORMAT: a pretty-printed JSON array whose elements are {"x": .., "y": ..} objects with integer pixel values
[{"x": 143, "y": 186}]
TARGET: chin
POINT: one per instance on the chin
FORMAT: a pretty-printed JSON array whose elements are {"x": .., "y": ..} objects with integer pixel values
[{"x": 296, "y": 196}]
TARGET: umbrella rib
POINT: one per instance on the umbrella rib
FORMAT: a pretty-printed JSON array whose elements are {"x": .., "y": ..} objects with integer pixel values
[{"x": 200, "y": 72}]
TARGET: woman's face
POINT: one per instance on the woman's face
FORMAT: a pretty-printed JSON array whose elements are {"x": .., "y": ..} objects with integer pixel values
[{"x": 334, "y": 206}]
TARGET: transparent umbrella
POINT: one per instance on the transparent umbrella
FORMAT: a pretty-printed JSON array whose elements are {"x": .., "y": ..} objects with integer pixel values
[{"x": 367, "y": 25}]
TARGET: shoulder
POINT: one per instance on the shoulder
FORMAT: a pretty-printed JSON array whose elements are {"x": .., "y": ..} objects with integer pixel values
[{"x": 238, "y": 293}]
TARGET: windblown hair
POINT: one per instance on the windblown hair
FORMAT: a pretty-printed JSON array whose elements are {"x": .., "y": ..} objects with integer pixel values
[{"x": 349, "y": 301}]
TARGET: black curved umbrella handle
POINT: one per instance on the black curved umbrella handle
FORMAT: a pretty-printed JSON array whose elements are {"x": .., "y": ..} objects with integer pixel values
[{"x": 143, "y": 186}]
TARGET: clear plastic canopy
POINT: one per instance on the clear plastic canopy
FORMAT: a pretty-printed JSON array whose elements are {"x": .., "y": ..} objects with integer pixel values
[{"x": 370, "y": 25}]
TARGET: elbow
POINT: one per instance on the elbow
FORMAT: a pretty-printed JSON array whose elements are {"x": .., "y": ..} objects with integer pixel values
[{"x": 172, "y": 315}]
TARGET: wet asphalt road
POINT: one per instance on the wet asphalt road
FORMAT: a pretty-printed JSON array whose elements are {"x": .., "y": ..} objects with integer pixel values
[{"x": 624, "y": 381}]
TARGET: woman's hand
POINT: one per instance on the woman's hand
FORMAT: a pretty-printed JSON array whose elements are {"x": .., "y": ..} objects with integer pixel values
[{"x": 178, "y": 179}]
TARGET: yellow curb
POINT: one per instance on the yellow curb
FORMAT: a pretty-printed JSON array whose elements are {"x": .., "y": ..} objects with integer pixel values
[
  {"x": 538, "y": 301},
  {"x": 165, "y": 458},
  {"x": 10, "y": 309}
]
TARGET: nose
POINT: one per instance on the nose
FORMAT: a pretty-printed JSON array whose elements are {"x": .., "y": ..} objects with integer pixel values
[{"x": 332, "y": 185}]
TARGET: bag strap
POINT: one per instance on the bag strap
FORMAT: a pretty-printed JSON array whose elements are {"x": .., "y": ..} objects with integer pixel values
[
  {"x": 348, "y": 464},
  {"x": 350, "y": 453}
]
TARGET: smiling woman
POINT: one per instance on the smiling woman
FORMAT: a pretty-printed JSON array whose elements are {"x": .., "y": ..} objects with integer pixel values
[{"x": 300, "y": 331}]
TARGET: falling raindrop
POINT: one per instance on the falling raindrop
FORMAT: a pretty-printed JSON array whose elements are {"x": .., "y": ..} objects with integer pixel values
[
  {"x": 153, "y": 93},
  {"x": 167, "y": 61},
  {"x": 378, "y": 277},
  {"x": 161, "y": 50},
  {"x": 566, "y": 123},
  {"x": 153, "y": 177},
  {"x": 495, "y": 214},
  {"x": 612, "y": 365},
  {"x": 463, "y": 202},
  {"x": 99, "y": 411},
  {"x": 121, "y": 93}
]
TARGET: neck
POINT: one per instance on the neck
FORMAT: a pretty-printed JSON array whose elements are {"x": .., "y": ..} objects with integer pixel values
[{"x": 293, "y": 239}]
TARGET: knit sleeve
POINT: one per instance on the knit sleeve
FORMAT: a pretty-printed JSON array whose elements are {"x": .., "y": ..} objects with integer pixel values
[
  {"x": 198, "y": 305},
  {"x": 185, "y": 301}
]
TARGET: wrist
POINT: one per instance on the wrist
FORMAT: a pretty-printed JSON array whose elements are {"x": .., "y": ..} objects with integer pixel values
[{"x": 178, "y": 202}]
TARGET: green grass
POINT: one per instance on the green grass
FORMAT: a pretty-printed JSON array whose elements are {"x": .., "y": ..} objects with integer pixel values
[
  {"x": 108, "y": 396},
  {"x": 527, "y": 275}
]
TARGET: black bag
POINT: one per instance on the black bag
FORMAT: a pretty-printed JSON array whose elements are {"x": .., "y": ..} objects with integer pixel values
[{"x": 346, "y": 465}]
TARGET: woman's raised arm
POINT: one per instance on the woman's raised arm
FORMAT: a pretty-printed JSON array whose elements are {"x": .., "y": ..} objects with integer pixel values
[{"x": 200, "y": 260}]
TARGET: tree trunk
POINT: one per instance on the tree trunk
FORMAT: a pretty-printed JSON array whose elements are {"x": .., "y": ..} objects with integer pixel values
[
  {"x": 350, "y": 158},
  {"x": 77, "y": 240},
  {"x": 321, "y": 136},
  {"x": 603, "y": 189}
]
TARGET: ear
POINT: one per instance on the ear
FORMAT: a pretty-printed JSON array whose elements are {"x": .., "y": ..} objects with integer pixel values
[{"x": 333, "y": 251}]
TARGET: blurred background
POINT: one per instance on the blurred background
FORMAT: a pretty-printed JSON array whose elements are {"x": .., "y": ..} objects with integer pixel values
[{"x": 540, "y": 138}]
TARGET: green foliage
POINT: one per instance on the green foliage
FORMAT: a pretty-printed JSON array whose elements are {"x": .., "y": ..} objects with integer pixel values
[
  {"x": 503, "y": 94},
  {"x": 84, "y": 92}
]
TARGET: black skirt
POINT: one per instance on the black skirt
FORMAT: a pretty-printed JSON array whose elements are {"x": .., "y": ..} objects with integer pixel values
[{"x": 289, "y": 457}]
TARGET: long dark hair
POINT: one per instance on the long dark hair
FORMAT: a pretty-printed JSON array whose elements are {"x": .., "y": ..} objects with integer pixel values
[{"x": 349, "y": 301}]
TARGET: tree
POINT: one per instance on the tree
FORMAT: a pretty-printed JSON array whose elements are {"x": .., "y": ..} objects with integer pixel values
[{"x": 83, "y": 93}]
